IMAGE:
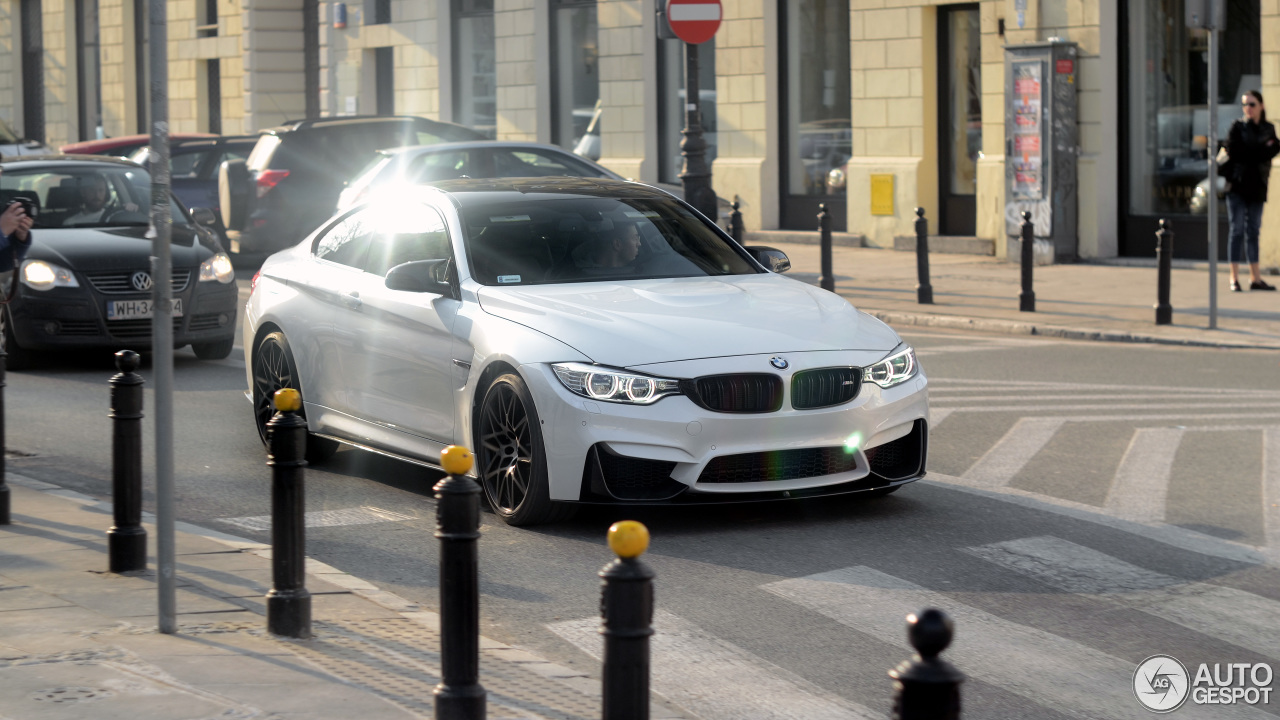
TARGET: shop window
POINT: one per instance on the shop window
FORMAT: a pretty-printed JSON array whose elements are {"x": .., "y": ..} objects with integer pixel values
[
  {"x": 575, "y": 72},
  {"x": 475, "y": 77}
]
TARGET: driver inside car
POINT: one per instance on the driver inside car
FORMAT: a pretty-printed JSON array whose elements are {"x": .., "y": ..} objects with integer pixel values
[{"x": 93, "y": 202}]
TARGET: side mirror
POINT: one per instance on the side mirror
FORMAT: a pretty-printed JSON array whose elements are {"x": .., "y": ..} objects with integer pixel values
[
  {"x": 204, "y": 217},
  {"x": 772, "y": 258},
  {"x": 423, "y": 276}
]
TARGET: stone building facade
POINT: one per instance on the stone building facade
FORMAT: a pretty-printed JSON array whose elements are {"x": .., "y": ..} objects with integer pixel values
[{"x": 873, "y": 107}]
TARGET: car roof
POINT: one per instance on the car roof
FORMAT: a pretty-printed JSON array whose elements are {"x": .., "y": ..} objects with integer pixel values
[
  {"x": 97, "y": 146},
  {"x": 474, "y": 192},
  {"x": 338, "y": 121},
  {"x": 466, "y": 144},
  {"x": 22, "y": 162}
]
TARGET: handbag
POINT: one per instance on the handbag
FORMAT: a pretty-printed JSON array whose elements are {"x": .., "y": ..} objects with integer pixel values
[{"x": 1226, "y": 169}]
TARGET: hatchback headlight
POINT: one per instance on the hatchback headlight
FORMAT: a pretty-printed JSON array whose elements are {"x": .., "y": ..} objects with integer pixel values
[
  {"x": 894, "y": 370},
  {"x": 602, "y": 383},
  {"x": 217, "y": 268},
  {"x": 41, "y": 275}
]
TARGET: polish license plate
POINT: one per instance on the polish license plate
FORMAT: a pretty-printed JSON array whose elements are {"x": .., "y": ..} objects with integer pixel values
[{"x": 137, "y": 309}]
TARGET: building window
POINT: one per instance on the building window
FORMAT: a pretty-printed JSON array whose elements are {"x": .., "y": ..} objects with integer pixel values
[
  {"x": 1168, "y": 95},
  {"x": 574, "y": 70},
  {"x": 88, "y": 77},
  {"x": 32, "y": 70},
  {"x": 377, "y": 12},
  {"x": 208, "y": 26},
  {"x": 213, "y": 77},
  {"x": 475, "y": 79},
  {"x": 671, "y": 100},
  {"x": 142, "y": 62},
  {"x": 385, "y": 80}
]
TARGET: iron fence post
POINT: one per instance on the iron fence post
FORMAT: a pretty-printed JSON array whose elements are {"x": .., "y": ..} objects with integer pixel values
[
  {"x": 827, "y": 280},
  {"x": 459, "y": 696},
  {"x": 926, "y": 687},
  {"x": 288, "y": 601},
  {"x": 1164, "y": 272},
  {"x": 127, "y": 539},
  {"x": 1027, "y": 298},
  {"x": 626, "y": 607},
  {"x": 924, "y": 291}
]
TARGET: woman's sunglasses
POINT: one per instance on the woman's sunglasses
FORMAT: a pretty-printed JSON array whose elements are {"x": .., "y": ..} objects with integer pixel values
[{"x": 1250, "y": 104}]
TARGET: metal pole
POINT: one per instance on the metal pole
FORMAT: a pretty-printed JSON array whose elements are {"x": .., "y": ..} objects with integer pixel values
[
  {"x": 696, "y": 173},
  {"x": 127, "y": 539},
  {"x": 924, "y": 291},
  {"x": 827, "y": 280},
  {"x": 4, "y": 486},
  {"x": 459, "y": 696},
  {"x": 626, "y": 601},
  {"x": 927, "y": 687},
  {"x": 1164, "y": 269},
  {"x": 1213, "y": 172},
  {"x": 288, "y": 601},
  {"x": 736, "y": 229},
  {"x": 1027, "y": 298},
  {"x": 162, "y": 314}
]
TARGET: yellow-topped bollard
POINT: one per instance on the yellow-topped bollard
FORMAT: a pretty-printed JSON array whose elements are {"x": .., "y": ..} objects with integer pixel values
[
  {"x": 456, "y": 460},
  {"x": 288, "y": 400},
  {"x": 628, "y": 538}
]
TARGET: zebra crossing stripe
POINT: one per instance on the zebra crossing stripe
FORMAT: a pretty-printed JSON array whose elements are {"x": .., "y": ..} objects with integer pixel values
[
  {"x": 1141, "y": 482},
  {"x": 1046, "y": 669},
  {"x": 324, "y": 518},
  {"x": 1216, "y": 403},
  {"x": 1271, "y": 491},
  {"x": 1235, "y": 616},
  {"x": 1000, "y": 463},
  {"x": 715, "y": 680}
]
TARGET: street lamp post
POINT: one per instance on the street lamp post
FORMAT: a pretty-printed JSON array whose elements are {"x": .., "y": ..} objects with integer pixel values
[{"x": 696, "y": 171}]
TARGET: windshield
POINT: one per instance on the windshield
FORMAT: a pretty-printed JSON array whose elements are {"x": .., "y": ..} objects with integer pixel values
[
  {"x": 593, "y": 239},
  {"x": 66, "y": 195}
]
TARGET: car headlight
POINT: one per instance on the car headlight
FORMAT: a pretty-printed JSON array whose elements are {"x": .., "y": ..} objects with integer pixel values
[
  {"x": 896, "y": 369},
  {"x": 41, "y": 275},
  {"x": 217, "y": 268},
  {"x": 835, "y": 178},
  {"x": 602, "y": 383}
]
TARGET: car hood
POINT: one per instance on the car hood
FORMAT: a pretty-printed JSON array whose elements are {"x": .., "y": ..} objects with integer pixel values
[
  {"x": 117, "y": 248},
  {"x": 640, "y": 322}
]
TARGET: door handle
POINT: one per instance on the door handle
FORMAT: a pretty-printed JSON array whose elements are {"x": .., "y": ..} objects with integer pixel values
[{"x": 351, "y": 299}]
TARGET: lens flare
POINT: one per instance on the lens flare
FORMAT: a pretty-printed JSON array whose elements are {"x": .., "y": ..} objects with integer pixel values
[{"x": 853, "y": 442}]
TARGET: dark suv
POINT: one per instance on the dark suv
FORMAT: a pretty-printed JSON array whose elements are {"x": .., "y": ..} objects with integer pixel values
[{"x": 291, "y": 181}]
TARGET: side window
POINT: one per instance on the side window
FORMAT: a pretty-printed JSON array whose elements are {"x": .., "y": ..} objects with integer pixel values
[
  {"x": 417, "y": 233},
  {"x": 441, "y": 166},
  {"x": 186, "y": 164},
  {"x": 534, "y": 163},
  {"x": 347, "y": 243}
]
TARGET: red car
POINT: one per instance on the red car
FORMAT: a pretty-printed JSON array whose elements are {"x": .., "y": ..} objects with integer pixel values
[{"x": 121, "y": 146}]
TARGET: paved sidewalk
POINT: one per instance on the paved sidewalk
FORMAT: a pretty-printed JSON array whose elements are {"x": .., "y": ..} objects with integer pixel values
[
  {"x": 79, "y": 642},
  {"x": 1081, "y": 301}
]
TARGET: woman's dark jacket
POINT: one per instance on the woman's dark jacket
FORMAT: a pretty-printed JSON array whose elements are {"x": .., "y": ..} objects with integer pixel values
[{"x": 1250, "y": 158}]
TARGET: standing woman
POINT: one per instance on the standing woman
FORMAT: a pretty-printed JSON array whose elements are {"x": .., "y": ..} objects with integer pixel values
[{"x": 1251, "y": 144}]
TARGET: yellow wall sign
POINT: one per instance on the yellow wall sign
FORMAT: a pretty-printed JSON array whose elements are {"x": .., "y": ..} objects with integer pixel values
[{"x": 881, "y": 194}]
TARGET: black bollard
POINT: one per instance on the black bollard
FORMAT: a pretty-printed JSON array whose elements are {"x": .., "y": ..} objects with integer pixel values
[
  {"x": 288, "y": 601},
  {"x": 459, "y": 696},
  {"x": 4, "y": 486},
  {"x": 924, "y": 291},
  {"x": 626, "y": 602},
  {"x": 1027, "y": 298},
  {"x": 827, "y": 281},
  {"x": 736, "y": 229},
  {"x": 926, "y": 687},
  {"x": 1164, "y": 272},
  {"x": 127, "y": 539}
]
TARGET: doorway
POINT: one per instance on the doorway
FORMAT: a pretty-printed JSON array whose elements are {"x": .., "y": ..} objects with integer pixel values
[{"x": 959, "y": 118}]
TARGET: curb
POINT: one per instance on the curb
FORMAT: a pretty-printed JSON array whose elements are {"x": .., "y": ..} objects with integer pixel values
[
  {"x": 1011, "y": 327},
  {"x": 572, "y": 679}
]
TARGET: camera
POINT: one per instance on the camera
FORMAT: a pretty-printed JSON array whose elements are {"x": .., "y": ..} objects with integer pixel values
[{"x": 28, "y": 207}]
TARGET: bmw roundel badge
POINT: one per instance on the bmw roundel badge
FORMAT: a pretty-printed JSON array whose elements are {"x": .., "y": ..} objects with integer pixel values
[{"x": 778, "y": 362}]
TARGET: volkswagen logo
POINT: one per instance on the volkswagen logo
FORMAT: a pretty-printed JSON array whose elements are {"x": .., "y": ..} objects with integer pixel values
[
  {"x": 141, "y": 282},
  {"x": 778, "y": 362}
]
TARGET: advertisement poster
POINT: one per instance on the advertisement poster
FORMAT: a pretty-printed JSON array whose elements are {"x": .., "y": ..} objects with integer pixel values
[{"x": 1028, "y": 160}]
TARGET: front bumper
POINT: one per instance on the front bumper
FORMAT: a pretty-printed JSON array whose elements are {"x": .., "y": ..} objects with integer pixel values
[
  {"x": 65, "y": 318},
  {"x": 675, "y": 451}
]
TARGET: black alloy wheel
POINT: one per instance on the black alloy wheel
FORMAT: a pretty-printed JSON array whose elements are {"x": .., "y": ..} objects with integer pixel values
[
  {"x": 511, "y": 461},
  {"x": 274, "y": 369}
]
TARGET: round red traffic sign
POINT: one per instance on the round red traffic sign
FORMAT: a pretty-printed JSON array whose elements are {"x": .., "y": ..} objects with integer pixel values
[{"x": 694, "y": 21}]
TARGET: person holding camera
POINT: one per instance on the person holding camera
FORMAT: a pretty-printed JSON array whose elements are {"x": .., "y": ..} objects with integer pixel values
[
  {"x": 15, "y": 235},
  {"x": 1251, "y": 144}
]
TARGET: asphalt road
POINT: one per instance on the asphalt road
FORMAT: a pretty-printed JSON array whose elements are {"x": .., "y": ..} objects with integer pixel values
[{"x": 1088, "y": 506}]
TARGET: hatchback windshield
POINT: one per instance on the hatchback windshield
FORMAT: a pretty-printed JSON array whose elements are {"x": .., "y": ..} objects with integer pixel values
[
  {"x": 84, "y": 196},
  {"x": 594, "y": 239}
]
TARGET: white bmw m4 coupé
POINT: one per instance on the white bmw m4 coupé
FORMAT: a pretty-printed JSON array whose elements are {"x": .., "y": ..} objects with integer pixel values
[{"x": 591, "y": 340}]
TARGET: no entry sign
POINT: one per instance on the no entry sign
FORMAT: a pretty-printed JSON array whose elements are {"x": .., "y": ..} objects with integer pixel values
[{"x": 694, "y": 21}]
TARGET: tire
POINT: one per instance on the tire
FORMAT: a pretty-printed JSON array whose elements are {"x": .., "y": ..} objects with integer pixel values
[
  {"x": 235, "y": 189},
  {"x": 510, "y": 458},
  {"x": 214, "y": 350},
  {"x": 274, "y": 369},
  {"x": 16, "y": 358}
]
